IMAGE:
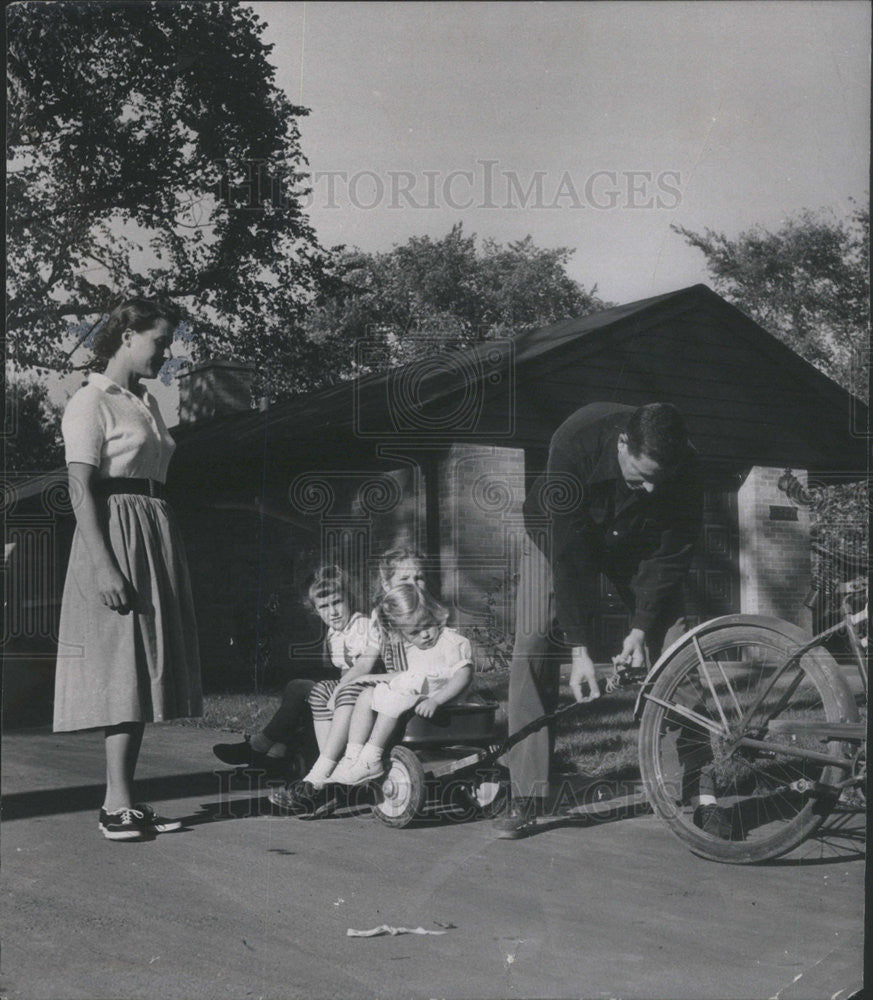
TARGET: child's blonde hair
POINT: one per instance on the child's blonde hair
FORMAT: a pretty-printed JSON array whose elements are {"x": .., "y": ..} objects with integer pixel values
[
  {"x": 393, "y": 558},
  {"x": 328, "y": 581},
  {"x": 407, "y": 605}
]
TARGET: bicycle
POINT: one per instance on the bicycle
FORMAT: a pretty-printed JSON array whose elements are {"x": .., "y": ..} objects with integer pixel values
[{"x": 764, "y": 710}]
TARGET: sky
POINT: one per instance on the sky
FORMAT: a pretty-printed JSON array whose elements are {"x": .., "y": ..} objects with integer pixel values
[
  {"x": 591, "y": 126},
  {"x": 594, "y": 126}
]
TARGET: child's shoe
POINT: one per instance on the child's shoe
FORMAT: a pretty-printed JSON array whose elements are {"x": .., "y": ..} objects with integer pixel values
[
  {"x": 236, "y": 754},
  {"x": 303, "y": 799},
  {"x": 360, "y": 772},
  {"x": 157, "y": 824},
  {"x": 292, "y": 799},
  {"x": 243, "y": 755},
  {"x": 123, "y": 824},
  {"x": 340, "y": 774}
]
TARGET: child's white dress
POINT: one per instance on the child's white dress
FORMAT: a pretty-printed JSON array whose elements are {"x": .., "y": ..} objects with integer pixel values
[{"x": 428, "y": 671}]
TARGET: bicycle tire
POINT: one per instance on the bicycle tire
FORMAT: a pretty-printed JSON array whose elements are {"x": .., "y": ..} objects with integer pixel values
[{"x": 768, "y": 818}]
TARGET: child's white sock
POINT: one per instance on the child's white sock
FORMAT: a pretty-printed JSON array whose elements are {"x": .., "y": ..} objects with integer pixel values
[
  {"x": 353, "y": 751},
  {"x": 320, "y": 771},
  {"x": 371, "y": 753}
]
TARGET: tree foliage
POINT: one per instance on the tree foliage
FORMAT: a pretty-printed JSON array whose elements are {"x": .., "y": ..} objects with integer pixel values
[
  {"x": 148, "y": 150},
  {"x": 441, "y": 292},
  {"x": 32, "y": 427},
  {"x": 807, "y": 283}
]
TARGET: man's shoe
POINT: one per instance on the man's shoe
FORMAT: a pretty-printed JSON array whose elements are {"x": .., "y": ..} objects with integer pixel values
[
  {"x": 518, "y": 821},
  {"x": 156, "y": 823},
  {"x": 714, "y": 820},
  {"x": 123, "y": 824}
]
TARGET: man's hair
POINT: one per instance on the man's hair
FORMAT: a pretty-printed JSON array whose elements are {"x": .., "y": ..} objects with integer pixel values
[{"x": 658, "y": 430}]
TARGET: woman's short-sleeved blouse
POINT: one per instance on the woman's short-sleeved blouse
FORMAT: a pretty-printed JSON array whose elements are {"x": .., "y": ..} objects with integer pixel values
[{"x": 122, "y": 434}]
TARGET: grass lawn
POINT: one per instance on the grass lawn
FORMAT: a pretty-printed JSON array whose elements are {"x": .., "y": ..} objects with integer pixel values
[{"x": 598, "y": 741}]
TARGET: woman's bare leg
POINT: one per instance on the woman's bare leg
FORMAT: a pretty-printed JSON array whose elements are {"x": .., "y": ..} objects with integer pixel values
[{"x": 122, "y": 744}]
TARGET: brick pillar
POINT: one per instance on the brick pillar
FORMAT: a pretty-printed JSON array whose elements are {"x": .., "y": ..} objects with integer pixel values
[
  {"x": 775, "y": 564},
  {"x": 481, "y": 492}
]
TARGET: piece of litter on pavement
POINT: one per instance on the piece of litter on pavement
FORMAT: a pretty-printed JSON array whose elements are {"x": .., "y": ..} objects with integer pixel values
[{"x": 385, "y": 929}]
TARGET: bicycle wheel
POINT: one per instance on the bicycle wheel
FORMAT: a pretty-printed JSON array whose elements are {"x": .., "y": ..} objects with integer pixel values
[{"x": 694, "y": 716}]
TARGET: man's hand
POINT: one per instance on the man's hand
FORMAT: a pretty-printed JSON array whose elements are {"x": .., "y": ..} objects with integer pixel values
[
  {"x": 633, "y": 652},
  {"x": 582, "y": 670}
]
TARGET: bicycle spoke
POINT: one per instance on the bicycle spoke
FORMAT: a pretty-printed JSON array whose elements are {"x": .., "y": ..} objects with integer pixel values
[
  {"x": 702, "y": 664},
  {"x": 730, "y": 689},
  {"x": 689, "y": 715}
]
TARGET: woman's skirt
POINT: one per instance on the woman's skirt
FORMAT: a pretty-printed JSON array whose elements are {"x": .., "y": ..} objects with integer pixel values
[{"x": 143, "y": 666}]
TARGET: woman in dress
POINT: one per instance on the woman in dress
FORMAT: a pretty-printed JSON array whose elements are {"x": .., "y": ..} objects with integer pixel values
[{"x": 127, "y": 650}]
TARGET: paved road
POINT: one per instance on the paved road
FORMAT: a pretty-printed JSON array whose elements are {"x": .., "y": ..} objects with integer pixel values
[{"x": 240, "y": 905}]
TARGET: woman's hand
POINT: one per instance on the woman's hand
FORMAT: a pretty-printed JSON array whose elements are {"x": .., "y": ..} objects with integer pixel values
[
  {"x": 113, "y": 589},
  {"x": 427, "y": 708},
  {"x": 111, "y": 586}
]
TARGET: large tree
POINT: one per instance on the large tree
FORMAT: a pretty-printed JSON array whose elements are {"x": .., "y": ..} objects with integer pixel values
[
  {"x": 447, "y": 293},
  {"x": 32, "y": 428},
  {"x": 807, "y": 283},
  {"x": 149, "y": 150}
]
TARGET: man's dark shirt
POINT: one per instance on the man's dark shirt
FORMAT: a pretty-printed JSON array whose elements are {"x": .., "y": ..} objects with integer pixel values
[{"x": 588, "y": 521}]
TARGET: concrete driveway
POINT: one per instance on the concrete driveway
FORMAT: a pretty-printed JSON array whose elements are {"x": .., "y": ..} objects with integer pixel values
[{"x": 246, "y": 905}]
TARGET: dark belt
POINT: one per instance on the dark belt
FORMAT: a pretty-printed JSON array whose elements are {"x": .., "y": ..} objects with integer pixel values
[{"x": 140, "y": 487}]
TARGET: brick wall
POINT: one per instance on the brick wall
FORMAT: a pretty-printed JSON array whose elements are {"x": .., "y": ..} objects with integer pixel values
[
  {"x": 774, "y": 548},
  {"x": 481, "y": 493}
]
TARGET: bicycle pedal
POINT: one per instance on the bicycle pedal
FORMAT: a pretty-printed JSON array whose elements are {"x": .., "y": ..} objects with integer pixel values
[{"x": 625, "y": 677}]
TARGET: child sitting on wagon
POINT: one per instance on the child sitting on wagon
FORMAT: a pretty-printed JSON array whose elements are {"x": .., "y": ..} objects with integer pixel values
[
  {"x": 439, "y": 669},
  {"x": 352, "y": 648}
]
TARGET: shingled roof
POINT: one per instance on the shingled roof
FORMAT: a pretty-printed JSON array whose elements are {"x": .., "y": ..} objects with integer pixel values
[{"x": 749, "y": 399}]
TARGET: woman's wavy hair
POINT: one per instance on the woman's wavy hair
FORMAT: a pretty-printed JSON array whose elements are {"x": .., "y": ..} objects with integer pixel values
[
  {"x": 132, "y": 314},
  {"x": 407, "y": 605}
]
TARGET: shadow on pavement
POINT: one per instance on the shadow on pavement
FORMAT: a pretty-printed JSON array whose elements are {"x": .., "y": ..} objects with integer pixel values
[
  {"x": 87, "y": 798},
  {"x": 842, "y": 838}
]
